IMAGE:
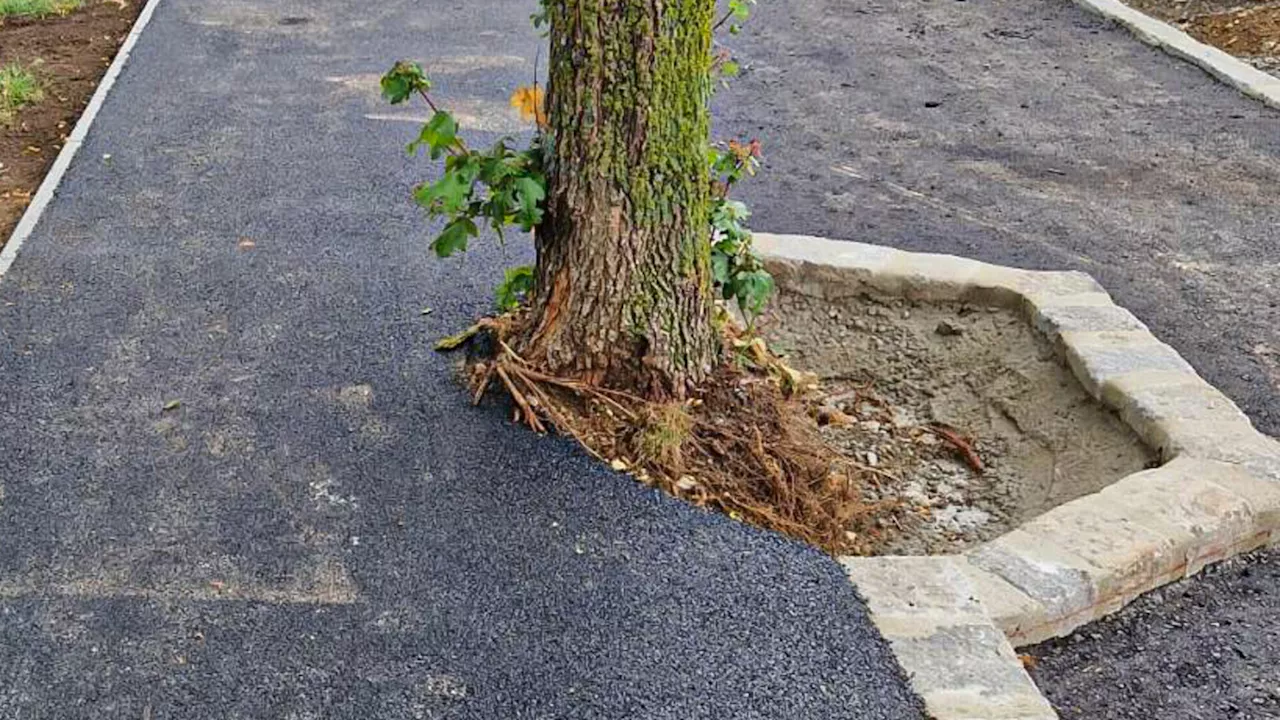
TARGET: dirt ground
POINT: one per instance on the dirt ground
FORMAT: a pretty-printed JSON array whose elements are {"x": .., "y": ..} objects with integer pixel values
[
  {"x": 1247, "y": 29},
  {"x": 69, "y": 54},
  {"x": 902, "y": 379}
]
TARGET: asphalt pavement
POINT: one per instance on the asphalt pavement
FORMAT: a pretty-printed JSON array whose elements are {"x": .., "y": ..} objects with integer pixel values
[{"x": 236, "y": 482}]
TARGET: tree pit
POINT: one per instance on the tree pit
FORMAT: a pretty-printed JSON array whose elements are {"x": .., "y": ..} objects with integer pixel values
[
  {"x": 967, "y": 417},
  {"x": 887, "y": 426}
]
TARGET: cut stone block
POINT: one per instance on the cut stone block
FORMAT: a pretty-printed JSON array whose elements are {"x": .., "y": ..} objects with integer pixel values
[
  {"x": 1054, "y": 320},
  {"x": 1056, "y": 579},
  {"x": 914, "y": 596},
  {"x": 1096, "y": 357},
  {"x": 928, "y": 277},
  {"x": 1127, "y": 558},
  {"x": 1012, "y": 610},
  {"x": 1213, "y": 510},
  {"x": 1229, "y": 443},
  {"x": 969, "y": 672},
  {"x": 956, "y": 659},
  {"x": 1159, "y": 404}
]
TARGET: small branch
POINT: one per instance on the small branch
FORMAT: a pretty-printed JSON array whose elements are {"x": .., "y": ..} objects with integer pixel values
[
  {"x": 427, "y": 97},
  {"x": 459, "y": 148},
  {"x": 960, "y": 444},
  {"x": 722, "y": 21},
  {"x": 484, "y": 385}
]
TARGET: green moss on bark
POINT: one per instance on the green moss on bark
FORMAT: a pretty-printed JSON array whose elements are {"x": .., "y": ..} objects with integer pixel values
[{"x": 624, "y": 280}]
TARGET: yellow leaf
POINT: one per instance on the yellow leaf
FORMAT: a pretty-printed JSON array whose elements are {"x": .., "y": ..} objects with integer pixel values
[{"x": 530, "y": 100}]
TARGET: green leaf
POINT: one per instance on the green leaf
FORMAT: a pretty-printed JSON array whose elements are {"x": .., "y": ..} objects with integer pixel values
[
  {"x": 403, "y": 80},
  {"x": 719, "y": 268},
  {"x": 753, "y": 290},
  {"x": 439, "y": 135},
  {"x": 454, "y": 237},
  {"x": 446, "y": 196},
  {"x": 730, "y": 68},
  {"x": 530, "y": 193},
  {"x": 517, "y": 283}
]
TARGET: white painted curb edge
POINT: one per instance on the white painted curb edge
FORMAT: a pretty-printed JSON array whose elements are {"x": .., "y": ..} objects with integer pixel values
[
  {"x": 1227, "y": 68},
  {"x": 48, "y": 188}
]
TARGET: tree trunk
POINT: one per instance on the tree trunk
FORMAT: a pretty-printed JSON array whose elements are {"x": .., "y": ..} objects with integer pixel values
[{"x": 624, "y": 293}]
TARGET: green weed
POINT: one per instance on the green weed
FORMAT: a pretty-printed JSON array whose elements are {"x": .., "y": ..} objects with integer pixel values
[
  {"x": 18, "y": 87},
  {"x": 37, "y": 8}
]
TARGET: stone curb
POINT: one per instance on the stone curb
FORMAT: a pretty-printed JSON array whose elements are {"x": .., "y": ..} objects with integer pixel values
[
  {"x": 953, "y": 620},
  {"x": 1227, "y": 68}
]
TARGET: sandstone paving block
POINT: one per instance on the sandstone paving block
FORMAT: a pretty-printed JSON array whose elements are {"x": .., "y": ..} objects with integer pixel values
[
  {"x": 1012, "y": 610},
  {"x": 1162, "y": 405},
  {"x": 1036, "y": 299},
  {"x": 1054, "y": 320},
  {"x": 1096, "y": 357},
  {"x": 1206, "y": 505},
  {"x": 955, "y": 657},
  {"x": 913, "y": 596},
  {"x": 1127, "y": 558},
  {"x": 1229, "y": 443},
  {"x": 817, "y": 251},
  {"x": 966, "y": 672},
  {"x": 1063, "y": 283},
  {"x": 1055, "y": 578},
  {"x": 928, "y": 277}
]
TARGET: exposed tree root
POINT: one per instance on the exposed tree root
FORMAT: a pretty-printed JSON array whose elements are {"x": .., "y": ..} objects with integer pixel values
[{"x": 745, "y": 445}]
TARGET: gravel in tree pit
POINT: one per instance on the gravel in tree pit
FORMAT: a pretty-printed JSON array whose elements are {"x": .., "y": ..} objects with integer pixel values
[{"x": 891, "y": 369}]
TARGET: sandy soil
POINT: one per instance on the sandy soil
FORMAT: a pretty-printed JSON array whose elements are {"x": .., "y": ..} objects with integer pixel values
[{"x": 895, "y": 373}]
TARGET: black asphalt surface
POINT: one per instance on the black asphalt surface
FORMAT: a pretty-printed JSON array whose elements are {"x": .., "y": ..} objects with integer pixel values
[
  {"x": 1201, "y": 649},
  {"x": 318, "y": 525},
  {"x": 1030, "y": 133}
]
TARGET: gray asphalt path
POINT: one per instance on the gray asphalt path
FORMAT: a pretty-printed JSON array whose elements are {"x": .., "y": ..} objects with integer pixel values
[
  {"x": 1030, "y": 133},
  {"x": 320, "y": 526}
]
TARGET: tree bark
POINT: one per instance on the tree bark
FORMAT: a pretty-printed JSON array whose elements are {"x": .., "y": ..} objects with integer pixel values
[{"x": 624, "y": 292}]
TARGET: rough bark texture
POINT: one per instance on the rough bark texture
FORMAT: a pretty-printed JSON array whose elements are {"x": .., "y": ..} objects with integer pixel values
[{"x": 624, "y": 293}]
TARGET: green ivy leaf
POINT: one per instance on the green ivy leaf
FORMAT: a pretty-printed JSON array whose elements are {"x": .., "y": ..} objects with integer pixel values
[
  {"x": 439, "y": 135},
  {"x": 753, "y": 290},
  {"x": 517, "y": 283},
  {"x": 530, "y": 193},
  {"x": 454, "y": 237},
  {"x": 720, "y": 268},
  {"x": 403, "y": 80}
]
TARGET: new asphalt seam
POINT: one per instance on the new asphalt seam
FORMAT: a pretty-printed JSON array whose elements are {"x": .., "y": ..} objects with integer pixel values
[
  {"x": 953, "y": 620},
  {"x": 49, "y": 186},
  {"x": 1224, "y": 66}
]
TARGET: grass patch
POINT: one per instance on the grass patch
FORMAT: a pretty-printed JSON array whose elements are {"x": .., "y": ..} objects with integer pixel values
[
  {"x": 37, "y": 8},
  {"x": 18, "y": 87}
]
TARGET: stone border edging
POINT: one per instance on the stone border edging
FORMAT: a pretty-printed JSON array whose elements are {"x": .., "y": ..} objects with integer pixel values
[
  {"x": 953, "y": 620},
  {"x": 1231, "y": 70},
  {"x": 49, "y": 186}
]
